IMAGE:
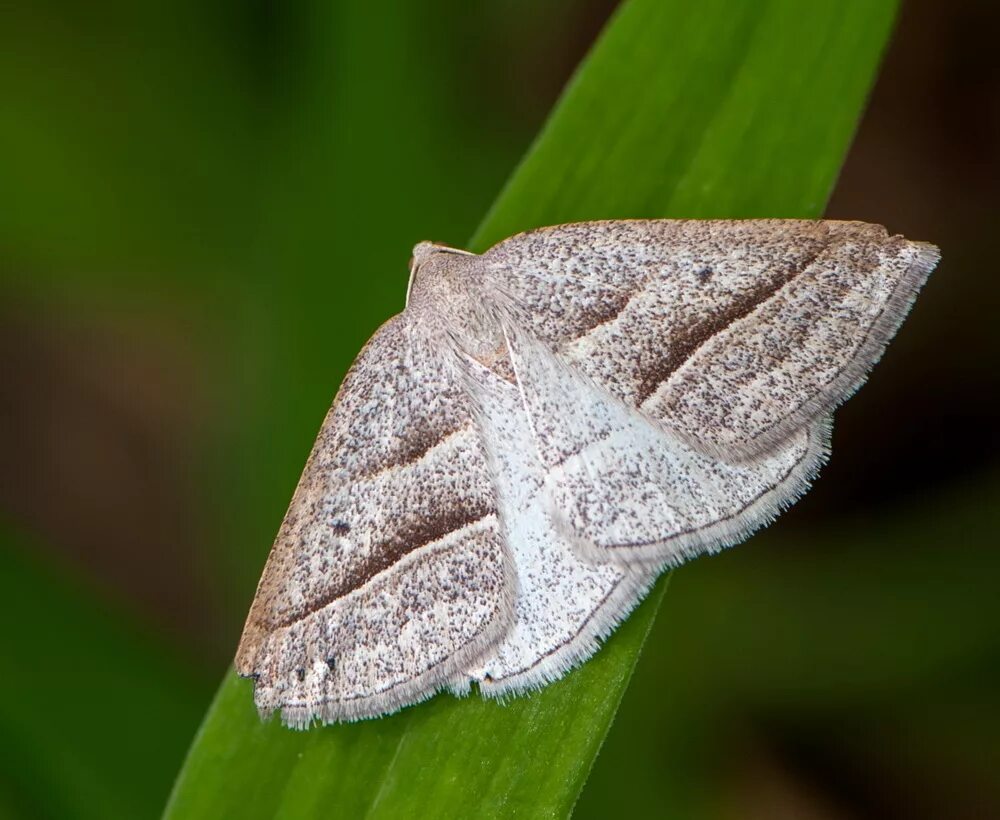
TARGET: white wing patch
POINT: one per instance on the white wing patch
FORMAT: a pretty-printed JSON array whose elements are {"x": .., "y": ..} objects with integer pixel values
[
  {"x": 630, "y": 492},
  {"x": 565, "y": 605},
  {"x": 514, "y": 459}
]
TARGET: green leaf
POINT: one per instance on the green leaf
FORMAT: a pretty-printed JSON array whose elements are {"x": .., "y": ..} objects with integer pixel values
[{"x": 714, "y": 109}]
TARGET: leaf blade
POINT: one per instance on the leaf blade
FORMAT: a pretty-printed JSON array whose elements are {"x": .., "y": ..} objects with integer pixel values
[{"x": 762, "y": 102}]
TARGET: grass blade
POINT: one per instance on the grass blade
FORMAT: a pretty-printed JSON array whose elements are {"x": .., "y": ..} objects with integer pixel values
[{"x": 712, "y": 109}]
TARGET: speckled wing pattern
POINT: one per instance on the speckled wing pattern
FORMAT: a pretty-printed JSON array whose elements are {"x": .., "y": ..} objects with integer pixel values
[
  {"x": 390, "y": 572},
  {"x": 515, "y": 458}
]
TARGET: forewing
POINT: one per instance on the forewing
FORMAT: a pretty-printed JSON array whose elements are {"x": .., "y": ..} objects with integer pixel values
[
  {"x": 389, "y": 573},
  {"x": 734, "y": 334}
]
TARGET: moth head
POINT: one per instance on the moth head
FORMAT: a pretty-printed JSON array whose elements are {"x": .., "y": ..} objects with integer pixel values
[{"x": 422, "y": 252}]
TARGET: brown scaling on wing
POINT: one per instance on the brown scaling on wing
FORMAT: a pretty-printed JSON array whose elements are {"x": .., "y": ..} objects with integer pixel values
[
  {"x": 410, "y": 535},
  {"x": 689, "y": 286},
  {"x": 399, "y": 429},
  {"x": 799, "y": 353},
  {"x": 407, "y": 395},
  {"x": 627, "y": 302},
  {"x": 690, "y": 333}
]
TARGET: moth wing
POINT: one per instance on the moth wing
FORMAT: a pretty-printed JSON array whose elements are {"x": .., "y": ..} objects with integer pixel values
[
  {"x": 389, "y": 574},
  {"x": 626, "y": 491},
  {"x": 734, "y": 334},
  {"x": 565, "y": 605}
]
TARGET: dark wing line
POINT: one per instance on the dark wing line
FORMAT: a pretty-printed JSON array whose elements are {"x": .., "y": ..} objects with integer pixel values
[
  {"x": 695, "y": 338},
  {"x": 474, "y": 654},
  {"x": 848, "y": 379},
  {"x": 390, "y": 552}
]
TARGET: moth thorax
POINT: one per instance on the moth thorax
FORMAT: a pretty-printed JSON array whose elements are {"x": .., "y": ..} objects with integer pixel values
[{"x": 444, "y": 283}]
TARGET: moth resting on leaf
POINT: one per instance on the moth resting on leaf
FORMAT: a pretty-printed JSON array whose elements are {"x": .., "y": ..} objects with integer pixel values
[{"x": 512, "y": 460}]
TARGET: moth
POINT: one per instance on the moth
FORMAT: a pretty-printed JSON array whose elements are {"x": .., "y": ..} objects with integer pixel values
[{"x": 512, "y": 460}]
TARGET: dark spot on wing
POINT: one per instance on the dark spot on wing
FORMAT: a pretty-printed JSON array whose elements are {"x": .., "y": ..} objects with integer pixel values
[{"x": 409, "y": 537}]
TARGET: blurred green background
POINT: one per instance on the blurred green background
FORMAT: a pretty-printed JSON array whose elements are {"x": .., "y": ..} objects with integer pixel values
[{"x": 208, "y": 207}]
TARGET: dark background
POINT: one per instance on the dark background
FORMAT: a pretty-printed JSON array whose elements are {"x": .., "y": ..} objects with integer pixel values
[{"x": 204, "y": 218}]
